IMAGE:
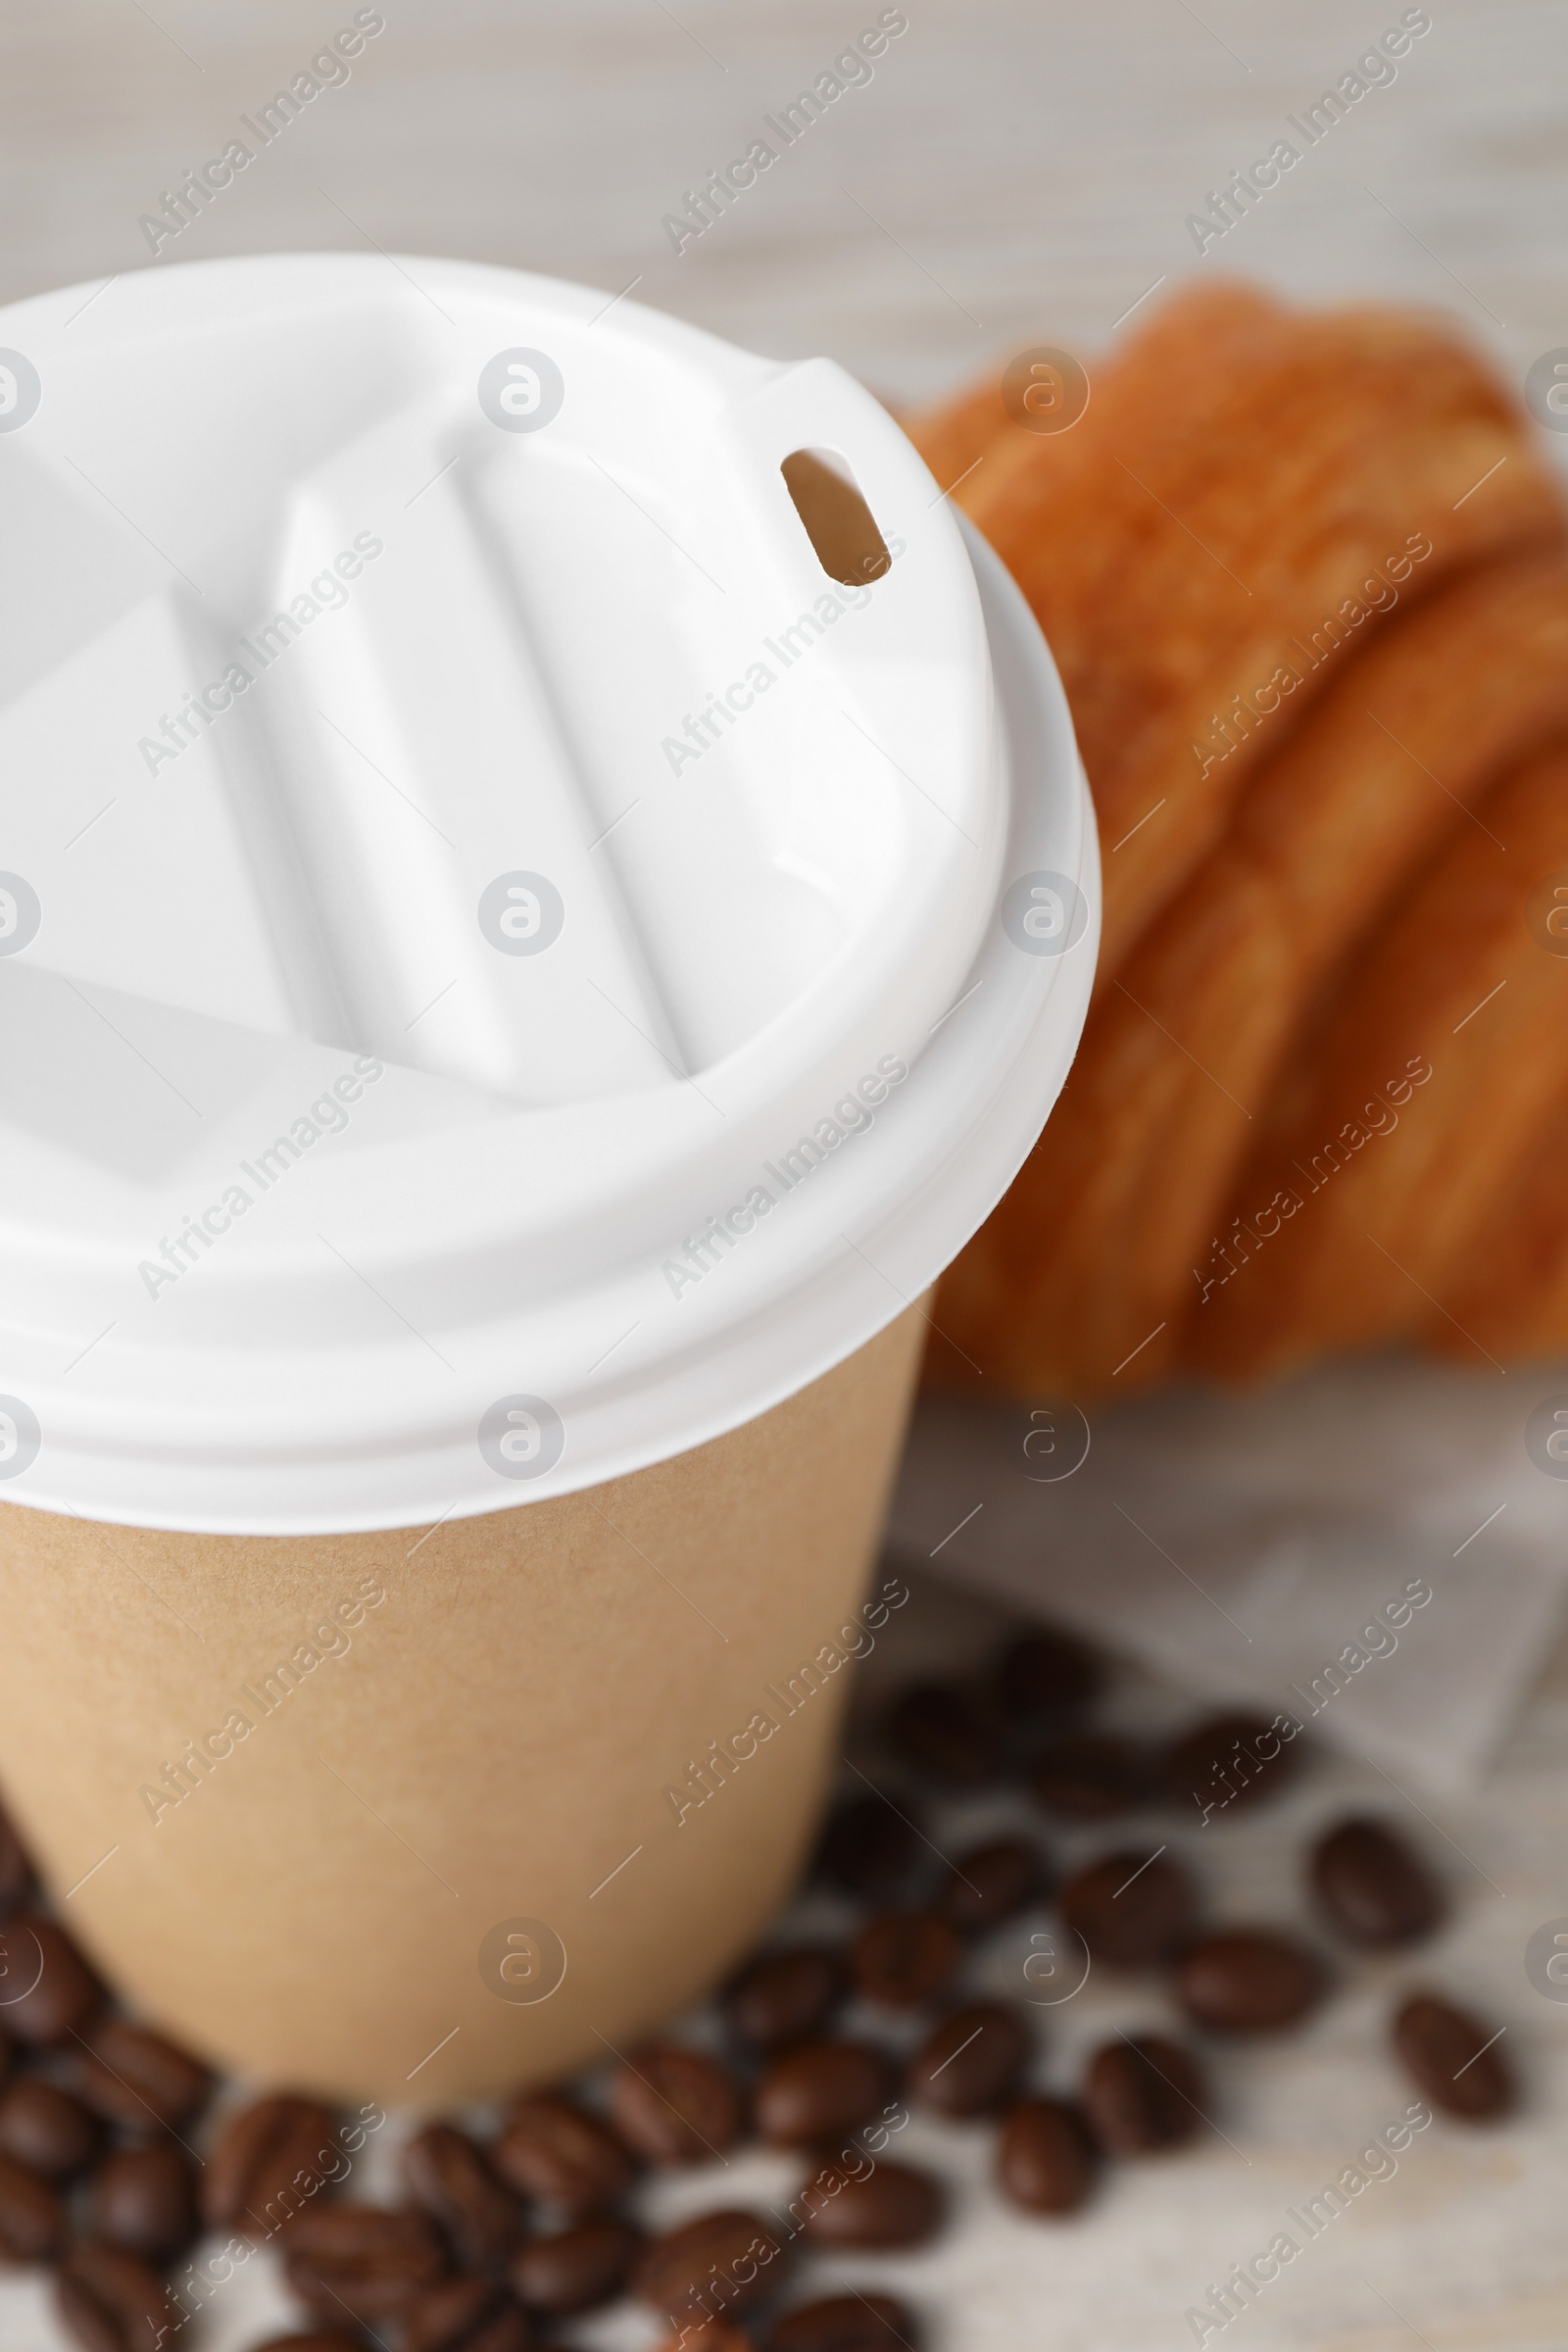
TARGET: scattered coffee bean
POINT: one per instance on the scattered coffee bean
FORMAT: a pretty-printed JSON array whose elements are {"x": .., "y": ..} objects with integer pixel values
[
  {"x": 1248, "y": 1981},
  {"x": 1046, "y": 2160},
  {"x": 1451, "y": 2057},
  {"x": 143, "y": 2200},
  {"x": 131, "y": 2075},
  {"x": 1089, "y": 1776},
  {"x": 869, "y": 1848},
  {"x": 1375, "y": 1889},
  {"x": 784, "y": 1997},
  {"x": 1228, "y": 1763},
  {"x": 32, "y": 2214},
  {"x": 938, "y": 1728},
  {"x": 970, "y": 2063},
  {"x": 114, "y": 2302},
  {"x": 578, "y": 2269},
  {"x": 817, "y": 2090},
  {"x": 1131, "y": 1909},
  {"x": 846, "y": 2323},
  {"x": 465, "y": 2315},
  {"x": 720, "y": 2262},
  {"x": 367, "y": 2260},
  {"x": 46, "y": 2129},
  {"x": 716, "y": 2337},
  {"x": 903, "y": 1959},
  {"x": 991, "y": 1883},
  {"x": 1046, "y": 1675},
  {"x": 251, "y": 2181},
  {"x": 16, "y": 1869},
  {"x": 1142, "y": 2096},
  {"x": 889, "y": 2205},
  {"x": 674, "y": 2105},
  {"x": 312, "y": 2342},
  {"x": 552, "y": 2151},
  {"x": 450, "y": 2176},
  {"x": 62, "y": 1990}
]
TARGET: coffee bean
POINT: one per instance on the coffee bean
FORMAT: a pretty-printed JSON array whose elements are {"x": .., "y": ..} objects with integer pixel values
[
  {"x": 1045, "y": 1674},
  {"x": 869, "y": 1848},
  {"x": 970, "y": 2063},
  {"x": 1089, "y": 1776},
  {"x": 577, "y": 2270},
  {"x": 1248, "y": 1981},
  {"x": 819, "y": 2090},
  {"x": 846, "y": 2323},
  {"x": 1228, "y": 1763},
  {"x": 16, "y": 1867},
  {"x": 1375, "y": 1888},
  {"x": 1131, "y": 1909},
  {"x": 1142, "y": 2096},
  {"x": 114, "y": 2302},
  {"x": 716, "y": 2337},
  {"x": 891, "y": 2205},
  {"x": 448, "y": 2176},
  {"x": 783, "y": 1997},
  {"x": 131, "y": 2075},
  {"x": 991, "y": 1883},
  {"x": 367, "y": 2260},
  {"x": 32, "y": 2214},
  {"x": 1046, "y": 2160},
  {"x": 61, "y": 1990},
  {"x": 143, "y": 2200},
  {"x": 312, "y": 2342},
  {"x": 465, "y": 2315},
  {"x": 252, "y": 2181},
  {"x": 46, "y": 2129},
  {"x": 673, "y": 2105},
  {"x": 554, "y": 2153},
  {"x": 938, "y": 1728},
  {"x": 718, "y": 2262},
  {"x": 903, "y": 1959},
  {"x": 1454, "y": 2059}
]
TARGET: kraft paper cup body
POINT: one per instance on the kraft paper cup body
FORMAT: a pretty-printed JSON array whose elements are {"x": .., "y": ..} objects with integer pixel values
[{"x": 547, "y": 889}]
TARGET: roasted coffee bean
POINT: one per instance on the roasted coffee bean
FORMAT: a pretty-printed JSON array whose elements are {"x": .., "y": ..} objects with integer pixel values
[
  {"x": 252, "y": 2181},
  {"x": 1374, "y": 1888},
  {"x": 465, "y": 2315},
  {"x": 673, "y": 2105},
  {"x": 869, "y": 1848},
  {"x": 991, "y": 1883},
  {"x": 16, "y": 1868},
  {"x": 819, "y": 2090},
  {"x": 1450, "y": 2056},
  {"x": 131, "y": 2075},
  {"x": 62, "y": 1993},
  {"x": 719, "y": 2335},
  {"x": 888, "y": 2205},
  {"x": 367, "y": 2260},
  {"x": 1089, "y": 1776},
  {"x": 1228, "y": 1763},
  {"x": 970, "y": 2063},
  {"x": 938, "y": 1728},
  {"x": 312, "y": 2342},
  {"x": 903, "y": 1959},
  {"x": 1142, "y": 2096},
  {"x": 32, "y": 2214},
  {"x": 1248, "y": 1981},
  {"x": 552, "y": 2151},
  {"x": 783, "y": 1997},
  {"x": 1048, "y": 1674},
  {"x": 114, "y": 2302},
  {"x": 722, "y": 2262},
  {"x": 577, "y": 2270},
  {"x": 46, "y": 2129},
  {"x": 1131, "y": 1909},
  {"x": 846, "y": 2323},
  {"x": 450, "y": 2176},
  {"x": 143, "y": 2200},
  {"x": 1046, "y": 2160}
]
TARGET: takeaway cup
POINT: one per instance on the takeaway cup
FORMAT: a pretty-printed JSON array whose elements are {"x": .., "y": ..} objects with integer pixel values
[{"x": 547, "y": 890}]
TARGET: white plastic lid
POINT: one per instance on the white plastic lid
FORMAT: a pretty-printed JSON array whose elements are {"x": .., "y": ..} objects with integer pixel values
[{"x": 506, "y": 968}]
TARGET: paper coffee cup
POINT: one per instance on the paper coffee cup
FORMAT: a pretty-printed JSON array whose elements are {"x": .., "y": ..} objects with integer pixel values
[{"x": 558, "y": 894}]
